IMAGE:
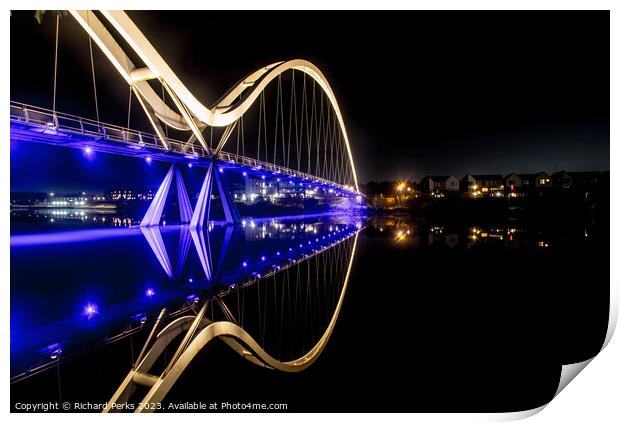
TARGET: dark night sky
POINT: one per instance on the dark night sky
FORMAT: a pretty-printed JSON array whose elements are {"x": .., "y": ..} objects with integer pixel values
[{"x": 421, "y": 92}]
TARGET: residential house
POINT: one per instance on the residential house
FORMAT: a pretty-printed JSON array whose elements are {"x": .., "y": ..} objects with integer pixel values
[
  {"x": 562, "y": 180},
  {"x": 513, "y": 185},
  {"x": 483, "y": 185},
  {"x": 439, "y": 184}
]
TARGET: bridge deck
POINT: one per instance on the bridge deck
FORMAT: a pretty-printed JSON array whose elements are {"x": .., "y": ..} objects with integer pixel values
[{"x": 31, "y": 123}]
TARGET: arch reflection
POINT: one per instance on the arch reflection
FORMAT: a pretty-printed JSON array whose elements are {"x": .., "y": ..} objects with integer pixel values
[{"x": 276, "y": 290}]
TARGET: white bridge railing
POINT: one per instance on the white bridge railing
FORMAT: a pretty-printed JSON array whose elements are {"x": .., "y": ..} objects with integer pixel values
[{"x": 40, "y": 117}]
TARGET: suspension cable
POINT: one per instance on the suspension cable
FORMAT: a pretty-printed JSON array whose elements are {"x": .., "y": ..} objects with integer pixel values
[
  {"x": 260, "y": 123},
  {"x": 290, "y": 119},
  {"x": 163, "y": 98},
  {"x": 92, "y": 66},
  {"x": 242, "y": 137},
  {"x": 282, "y": 115},
  {"x": 275, "y": 138},
  {"x": 332, "y": 147},
  {"x": 94, "y": 81},
  {"x": 55, "y": 65},
  {"x": 129, "y": 108},
  {"x": 313, "y": 133},
  {"x": 328, "y": 140},
  {"x": 297, "y": 128},
  {"x": 308, "y": 126},
  {"x": 265, "y": 127},
  {"x": 302, "y": 112},
  {"x": 336, "y": 147},
  {"x": 238, "y": 134},
  {"x": 340, "y": 159},
  {"x": 319, "y": 133}
]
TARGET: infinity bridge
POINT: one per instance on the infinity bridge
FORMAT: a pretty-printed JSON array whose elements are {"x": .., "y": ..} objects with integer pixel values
[{"x": 279, "y": 129}]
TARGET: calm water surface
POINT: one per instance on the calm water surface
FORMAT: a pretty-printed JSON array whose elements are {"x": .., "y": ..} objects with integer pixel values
[
  {"x": 469, "y": 317},
  {"x": 79, "y": 279}
]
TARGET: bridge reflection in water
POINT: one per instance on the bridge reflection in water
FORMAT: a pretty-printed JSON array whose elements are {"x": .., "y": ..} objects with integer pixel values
[{"x": 271, "y": 289}]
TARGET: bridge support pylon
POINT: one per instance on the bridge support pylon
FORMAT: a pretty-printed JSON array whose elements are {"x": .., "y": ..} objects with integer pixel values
[
  {"x": 152, "y": 216},
  {"x": 203, "y": 206}
]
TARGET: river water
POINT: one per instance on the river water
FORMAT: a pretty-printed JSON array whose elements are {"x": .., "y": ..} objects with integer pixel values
[{"x": 465, "y": 317}]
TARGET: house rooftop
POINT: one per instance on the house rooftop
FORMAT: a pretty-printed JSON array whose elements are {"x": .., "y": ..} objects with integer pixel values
[
  {"x": 439, "y": 178},
  {"x": 487, "y": 177},
  {"x": 531, "y": 175}
]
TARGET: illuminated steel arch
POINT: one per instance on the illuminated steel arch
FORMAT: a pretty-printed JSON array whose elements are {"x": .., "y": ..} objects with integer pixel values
[{"x": 193, "y": 115}]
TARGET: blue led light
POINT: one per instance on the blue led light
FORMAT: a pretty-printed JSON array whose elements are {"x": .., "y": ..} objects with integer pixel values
[
  {"x": 90, "y": 310},
  {"x": 88, "y": 153},
  {"x": 244, "y": 264},
  {"x": 263, "y": 258},
  {"x": 150, "y": 292}
]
